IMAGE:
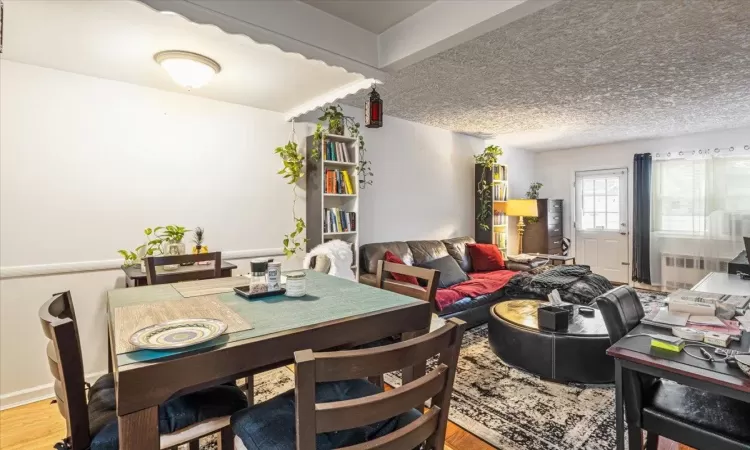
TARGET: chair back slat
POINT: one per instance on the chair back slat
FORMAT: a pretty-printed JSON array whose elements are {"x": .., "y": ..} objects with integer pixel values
[
  {"x": 353, "y": 364},
  {"x": 432, "y": 277},
  {"x": 437, "y": 385},
  {"x": 57, "y": 317},
  {"x": 152, "y": 262},
  {"x": 347, "y": 414},
  {"x": 408, "y": 437}
]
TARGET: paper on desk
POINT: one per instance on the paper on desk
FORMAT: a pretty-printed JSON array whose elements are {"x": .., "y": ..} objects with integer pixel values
[
  {"x": 744, "y": 321},
  {"x": 678, "y": 319},
  {"x": 706, "y": 320}
]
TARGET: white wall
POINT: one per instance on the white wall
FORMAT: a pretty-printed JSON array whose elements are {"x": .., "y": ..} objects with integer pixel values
[
  {"x": 87, "y": 163},
  {"x": 556, "y": 169}
]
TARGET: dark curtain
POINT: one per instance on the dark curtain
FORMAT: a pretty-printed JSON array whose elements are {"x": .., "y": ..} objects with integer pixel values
[{"x": 642, "y": 218}]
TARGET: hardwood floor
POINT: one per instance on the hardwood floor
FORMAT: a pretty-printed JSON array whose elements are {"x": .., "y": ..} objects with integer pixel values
[{"x": 38, "y": 426}]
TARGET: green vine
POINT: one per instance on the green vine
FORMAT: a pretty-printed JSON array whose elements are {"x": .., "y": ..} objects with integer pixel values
[
  {"x": 292, "y": 171},
  {"x": 152, "y": 246},
  {"x": 487, "y": 159},
  {"x": 533, "y": 193},
  {"x": 337, "y": 121}
]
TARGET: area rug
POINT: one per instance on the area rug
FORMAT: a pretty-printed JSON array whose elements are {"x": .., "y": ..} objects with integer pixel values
[{"x": 513, "y": 410}]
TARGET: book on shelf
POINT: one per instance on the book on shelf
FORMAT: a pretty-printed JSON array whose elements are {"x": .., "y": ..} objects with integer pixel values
[
  {"x": 500, "y": 239},
  {"x": 338, "y": 182},
  {"x": 337, "y": 221},
  {"x": 499, "y": 173},
  {"x": 499, "y": 193},
  {"x": 499, "y": 219},
  {"x": 337, "y": 151}
]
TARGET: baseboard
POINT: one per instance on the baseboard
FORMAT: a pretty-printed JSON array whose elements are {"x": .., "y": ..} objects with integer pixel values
[
  {"x": 112, "y": 264},
  {"x": 35, "y": 394}
]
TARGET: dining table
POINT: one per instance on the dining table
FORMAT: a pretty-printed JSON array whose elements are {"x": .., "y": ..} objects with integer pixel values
[{"x": 261, "y": 333}]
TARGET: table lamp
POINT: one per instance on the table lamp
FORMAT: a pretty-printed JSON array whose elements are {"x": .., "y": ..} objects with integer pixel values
[{"x": 521, "y": 208}]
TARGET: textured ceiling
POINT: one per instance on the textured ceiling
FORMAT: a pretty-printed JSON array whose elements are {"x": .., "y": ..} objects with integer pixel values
[
  {"x": 585, "y": 72},
  {"x": 375, "y": 16}
]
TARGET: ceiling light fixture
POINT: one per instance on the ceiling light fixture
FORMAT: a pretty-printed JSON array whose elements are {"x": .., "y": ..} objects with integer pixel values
[{"x": 188, "y": 69}]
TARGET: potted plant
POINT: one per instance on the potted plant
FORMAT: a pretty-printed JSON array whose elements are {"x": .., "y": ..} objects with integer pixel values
[
  {"x": 151, "y": 247},
  {"x": 486, "y": 159},
  {"x": 533, "y": 193},
  {"x": 198, "y": 241},
  {"x": 337, "y": 122},
  {"x": 292, "y": 171},
  {"x": 172, "y": 236}
]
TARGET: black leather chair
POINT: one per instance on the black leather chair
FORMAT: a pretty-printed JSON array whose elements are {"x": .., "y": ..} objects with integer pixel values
[{"x": 690, "y": 416}]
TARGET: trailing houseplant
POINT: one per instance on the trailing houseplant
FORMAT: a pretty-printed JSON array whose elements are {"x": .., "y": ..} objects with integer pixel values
[
  {"x": 533, "y": 193},
  {"x": 334, "y": 121},
  {"x": 486, "y": 159},
  {"x": 292, "y": 171},
  {"x": 153, "y": 246}
]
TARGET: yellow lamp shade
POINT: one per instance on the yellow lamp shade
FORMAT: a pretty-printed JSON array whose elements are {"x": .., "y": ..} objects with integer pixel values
[{"x": 521, "y": 208}]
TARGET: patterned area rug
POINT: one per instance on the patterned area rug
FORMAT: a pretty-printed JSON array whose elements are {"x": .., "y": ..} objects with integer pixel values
[{"x": 513, "y": 410}]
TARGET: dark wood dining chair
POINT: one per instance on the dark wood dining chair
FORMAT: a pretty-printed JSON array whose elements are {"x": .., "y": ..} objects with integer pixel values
[
  {"x": 152, "y": 262},
  {"x": 426, "y": 293},
  {"x": 333, "y": 406},
  {"x": 91, "y": 421},
  {"x": 690, "y": 416}
]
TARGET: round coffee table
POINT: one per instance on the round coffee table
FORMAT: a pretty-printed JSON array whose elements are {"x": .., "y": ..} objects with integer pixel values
[{"x": 575, "y": 355}]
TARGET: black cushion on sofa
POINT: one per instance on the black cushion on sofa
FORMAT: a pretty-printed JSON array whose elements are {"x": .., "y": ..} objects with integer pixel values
[
  {"x": 425, "y": 251},
  {"x": 457, "y": 249},
  {"x": 372, "y": 253},
  {"x": 450, "y": 272}
]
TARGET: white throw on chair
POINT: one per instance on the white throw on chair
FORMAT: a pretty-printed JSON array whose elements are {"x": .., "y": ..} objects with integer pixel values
[{"x": 338, "y": 253}]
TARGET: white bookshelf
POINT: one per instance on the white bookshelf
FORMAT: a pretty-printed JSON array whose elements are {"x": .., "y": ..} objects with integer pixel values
[{"x": 318, "y": 200}]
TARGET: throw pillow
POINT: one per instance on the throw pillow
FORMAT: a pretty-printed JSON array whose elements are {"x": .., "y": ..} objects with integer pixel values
[
  {"x": 391, "y": 258},
  {"x": 450, "y": 272},
  {"x": 485, "y": 257}
]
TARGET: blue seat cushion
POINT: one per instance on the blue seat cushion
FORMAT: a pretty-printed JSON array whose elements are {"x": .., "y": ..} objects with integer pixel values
[
  {"x": 175, "y": 414},
  {"x": 271, "y": 425}
]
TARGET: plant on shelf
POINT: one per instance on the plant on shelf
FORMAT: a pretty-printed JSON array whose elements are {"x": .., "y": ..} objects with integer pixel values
[
  {"x": 533, "y": 193},
  {"x": 486, "y": 159},
  {"x": 151, "y": 247},
  {"x": 292, "y": 171},
  {"x": 337, "y": 121},
  {"x": 198, "y": 240},
  {"x": 172, "y": 234}
]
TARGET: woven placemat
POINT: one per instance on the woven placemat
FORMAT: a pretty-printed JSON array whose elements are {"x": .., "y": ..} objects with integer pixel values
[
  {"x": 208, "y": 287},
  {"x": 129, "y": 319}
]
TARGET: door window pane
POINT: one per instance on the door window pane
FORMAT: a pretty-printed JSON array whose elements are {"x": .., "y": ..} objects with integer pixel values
[
  {"x": 588, "y": 221},
  {"x": 600, "y": 186},
  {"x": 588, "y": 186},
  {"x": 613, "y": 186},
  {"x": 613, "y": 221},
  {"x": 613, "y": 204},
  {"x": 600, "y": 204},
  {"x": 600, "y": 220},
  {"x": 588, "y": 203}
]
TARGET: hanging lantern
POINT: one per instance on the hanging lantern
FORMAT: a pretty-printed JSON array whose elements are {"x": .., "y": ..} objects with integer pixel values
[{"x": 374, "y": 110}]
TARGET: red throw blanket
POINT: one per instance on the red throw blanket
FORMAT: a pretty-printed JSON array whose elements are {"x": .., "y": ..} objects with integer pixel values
[{"x": 480, "y": 283}]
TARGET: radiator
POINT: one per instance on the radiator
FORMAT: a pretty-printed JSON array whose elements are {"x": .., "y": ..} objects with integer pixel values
[{"x": 684, "y": 271}]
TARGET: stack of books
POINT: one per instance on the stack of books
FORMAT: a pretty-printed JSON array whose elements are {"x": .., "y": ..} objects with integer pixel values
[
  {"x": 500, "y": 239},
  {"x": 499, "y": 193},
  {"x": 499, "y": 173},
  {"x": 338, "y": 221},
  {"x": 338, "y": 182},
  {"x": 337, "y": 151},
  {"x": 499, "y": 219}
]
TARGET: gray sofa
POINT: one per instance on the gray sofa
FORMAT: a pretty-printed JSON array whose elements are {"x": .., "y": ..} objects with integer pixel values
[{"x": 473, "y": 311}]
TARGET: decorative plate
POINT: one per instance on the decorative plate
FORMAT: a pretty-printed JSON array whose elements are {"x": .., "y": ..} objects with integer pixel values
[{"x": 177, "y": 334}]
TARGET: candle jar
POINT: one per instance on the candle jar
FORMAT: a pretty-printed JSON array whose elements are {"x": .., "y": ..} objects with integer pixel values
[{"x": 296, "y": 285}]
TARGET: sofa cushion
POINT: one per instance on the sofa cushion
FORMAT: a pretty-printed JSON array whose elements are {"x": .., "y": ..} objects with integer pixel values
[
  {"x": 457, "y": 249},
  {"x": 425, "y": 251},
  {"x": 390, "y": 257},
  {"x": 485, "y": 257},
  {"x": 372, "y": 253},
  {"x": 450, "y": 272}
]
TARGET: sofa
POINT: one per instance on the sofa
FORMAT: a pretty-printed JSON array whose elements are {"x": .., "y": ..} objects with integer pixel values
[{"x": 473, "y": 310}]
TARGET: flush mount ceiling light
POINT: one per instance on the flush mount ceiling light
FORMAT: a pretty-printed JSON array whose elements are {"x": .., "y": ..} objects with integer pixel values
[{"x": 188, "y": 69}]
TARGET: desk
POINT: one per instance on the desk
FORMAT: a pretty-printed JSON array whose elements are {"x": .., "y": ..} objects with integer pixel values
[
  {"x": 335, "y": 312},
  {"x": 135, "y": 278},
  {"x": 718, "y": 379}
]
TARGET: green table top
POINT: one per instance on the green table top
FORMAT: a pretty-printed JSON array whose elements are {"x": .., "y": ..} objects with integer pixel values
[{"x": 328, "y": 298}]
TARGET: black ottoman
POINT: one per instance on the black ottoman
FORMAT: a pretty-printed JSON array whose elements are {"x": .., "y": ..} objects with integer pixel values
[{"x": 575, "y": 355}]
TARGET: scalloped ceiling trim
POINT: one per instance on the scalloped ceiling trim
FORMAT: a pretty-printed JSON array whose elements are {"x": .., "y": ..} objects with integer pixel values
[{"x": 330, "y": 97}]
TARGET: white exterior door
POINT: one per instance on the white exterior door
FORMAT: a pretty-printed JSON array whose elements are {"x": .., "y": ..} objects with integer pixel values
[{"x": 601, "y": 223}]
